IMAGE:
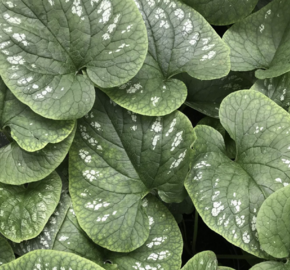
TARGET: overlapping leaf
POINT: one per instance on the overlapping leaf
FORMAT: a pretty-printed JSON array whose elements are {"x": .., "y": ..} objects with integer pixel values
[
  {"x": 46, "y": 239},
  {"x": 19, "y": 167},
  {"x": 273, "y": 224},
  {"x": 117, "y": 158},
  {"x": 228, "y": 194},
  {"x": 180, "y": 40},
  {"x": 221, "y": 12},
  {"x": 31, "y": 131},
  {"x": 25, "y": 211},
  {"x": 6, "y": 252},
  {"x": 44, "y": 44},
  {"x": 262, "y": 41},
  {"x": 277, "y": 89},
  {"x": 271, "y": 266},
  {"x": 206, "y": 96},
  {"x": 51, "y": 260}
]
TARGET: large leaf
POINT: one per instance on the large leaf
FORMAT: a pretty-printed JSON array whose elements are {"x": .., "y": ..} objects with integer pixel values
[
  {"x": 71, "y": 238},
  {"x": 228, "y": 194},
  {"x": 262, "y": 41},
  {"x": 271, "y": 266},
  {"x": 116, "y": 159},
  {"x": 51, "y": 260},
  {"x": 163, "y": 248},
  {"x": 31, "y": 131},
  {"x": 6, "y": 252},
  {"x": 221, "y": 12},
  {"x": 44, "y": 44},
  {"x": 206, "y": 96},
  {"x": 19, "y": 167},
  {"x": 180, "y": 40},
  {"x": 45, "y": 240},
  {"x": 273, "y": 224},
  {"x": 205, "y": 260},
  {"x": 25, "y": 211},
  {"x": 277, "y": 89}
]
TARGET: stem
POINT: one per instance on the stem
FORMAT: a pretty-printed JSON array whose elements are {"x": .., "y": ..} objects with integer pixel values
[
  {"x": 185, "y": 238},
  {"x": 236, "y": 257},
  {"x": 195, "y": 232}
]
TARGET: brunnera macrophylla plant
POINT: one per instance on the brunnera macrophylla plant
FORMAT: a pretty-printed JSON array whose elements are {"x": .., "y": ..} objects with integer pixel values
[{"x": 96, "y": 152}]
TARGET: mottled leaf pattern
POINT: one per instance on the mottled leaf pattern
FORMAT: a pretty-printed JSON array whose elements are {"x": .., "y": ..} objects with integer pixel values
[
  {"x": 117, "y": 158},
  {"x": 24, "y": 211},
  {"x": 44, "y": 45},
  {"x": 271, "y": 266},
  {"x": 6, "y": 252}
]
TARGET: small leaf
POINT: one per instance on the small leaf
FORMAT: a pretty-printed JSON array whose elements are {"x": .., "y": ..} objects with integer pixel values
[
  {"x": 205, "y": 260},
  {"x": 273, "y": 224},
  {"x": 277, "y": 89},
  {"x": 206, "y": 96},
  {"x": 51, "y": 260},
  {"x": 228, "y": 194},
  {"x": 163, "y": 248},
  {"x": 116, "y": 159},
  {"x": 34, "y": 166},
  {"x": 180, "y": 40},
  {"x": 220, "y": 12},
  {"x": 271, "y": 266},
  {"x": 6, "y": 252},
  {"x": 71, "y": 238},
  {"x": 45, "y": 240},
  {"x": 25, "y": 211},
  {"x": 45, "y": 44},
  {"x": 31, "y": 131},
  {"x": 261, "y": 41}
]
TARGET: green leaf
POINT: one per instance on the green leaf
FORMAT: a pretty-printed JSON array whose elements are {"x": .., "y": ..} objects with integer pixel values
[
  {"x": 273, "y": 224},
  {"x": 220, "y": 12},
  {"x": 262, "y": 41},
  {"x": 25, "y": 211},
  {"x": 45, "y": 240},
  {"x": 277, "y": 89},
  {"x": 180, "y": 40},
  {"x": 150, "y": 92},
  {"x": 19, "y": 167},
  {"x": 228, "y": 194},
  {"x": 163, "y": 248},
  {"x": 271, "y": 266},
  {"x": 206, "y": 96},
  {"x": 116, "y": 159},
  {"x": 31, "y": 131},
  {"x": 6, "y": 252},
  {"x": 45, "y": 44},
  {"x": 51, "y": 260},
  {"x": 71, "y": 238},
  {"x": 205, "y": 260}
]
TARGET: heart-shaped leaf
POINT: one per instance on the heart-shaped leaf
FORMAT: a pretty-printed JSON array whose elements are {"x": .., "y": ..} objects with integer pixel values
[
  {"x": 206, "y": 96},
  {"x": 20, "y": 167},
  {"x": 228, "y": 194},
  {"x": 220, "y": 12},
  {"x": 45, "y": 240},
  {"x": 44, "y": 44},
  {"x": 6, "y": 252},
  {"x": 116, "y": 159},
  {"x": 277, "y": 89},
  {"x": 271, "y": 266},
  {"x": 262, "y": 41},
  {"x": 180, "y": 40},
  {"x": 31, "y": 131},
  {"x": 25, "y": 211},
  {"x": 163, "y": 248},
  {"x": 273, "y": 224},
  {"x": 51, "y": 260},
  {"x": 205, "y": 260}
]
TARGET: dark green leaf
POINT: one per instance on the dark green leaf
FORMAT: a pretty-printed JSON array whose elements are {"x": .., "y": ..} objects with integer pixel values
[
  {"x": 6, "y": 252},
  {"x": 25, "y": 211},
  {"x": 44, "y": 44},
  {"x": 116, "y": 159}
]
